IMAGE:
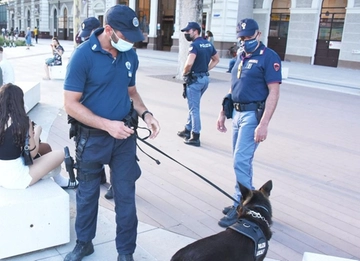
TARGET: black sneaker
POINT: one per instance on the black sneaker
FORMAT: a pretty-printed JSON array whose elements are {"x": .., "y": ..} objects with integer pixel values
[
  {"x": 110, "y": 193},
  {"x": 80, "y": 251},
  {"x": 125, "y": 258},
  {"x": 229, "y": 219},
  {"x": 227, "y": 209}
]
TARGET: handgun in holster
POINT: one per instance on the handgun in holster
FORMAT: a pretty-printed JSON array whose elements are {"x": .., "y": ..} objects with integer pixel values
[
  {"x": 184, "y": 90},
  {"x": 73, "y": 126},
  {"x": 260, "y": 111}
]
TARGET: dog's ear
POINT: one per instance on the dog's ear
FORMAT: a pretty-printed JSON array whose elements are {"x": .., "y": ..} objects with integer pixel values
[
  {"x": 266, "y": 188},
  {"x": 245, "y": 192}
]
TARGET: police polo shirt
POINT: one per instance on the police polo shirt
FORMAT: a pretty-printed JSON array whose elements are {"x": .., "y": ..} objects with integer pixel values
[
  {"x": 258, "y": 70},
  {"x": 102, "y": 79},
  {"x": 203, "y": 50}
]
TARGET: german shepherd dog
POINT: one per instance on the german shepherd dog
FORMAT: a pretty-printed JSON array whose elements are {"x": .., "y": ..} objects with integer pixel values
[{"x": 231, "y": 245}]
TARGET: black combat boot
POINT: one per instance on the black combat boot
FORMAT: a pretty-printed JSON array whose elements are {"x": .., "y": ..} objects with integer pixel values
[
  {"x": 194, "y": 139},
  {"x": 184, "y": 134}
]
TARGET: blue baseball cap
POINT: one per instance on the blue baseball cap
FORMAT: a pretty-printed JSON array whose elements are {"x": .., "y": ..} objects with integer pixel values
[
  {"x": 89, "y": 24},
  {"x": 123, "y": 19},
  {"x": 191, "y": 25},
  {"x": 247, "y": 27}
]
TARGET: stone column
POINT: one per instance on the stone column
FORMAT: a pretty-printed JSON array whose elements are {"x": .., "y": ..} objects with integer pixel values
[
  {"x": 132, "y": 4},
  {"x": 23, "y": 17},
  {"x": 245, "y": 9},
  {"x": 16, "y": 21},
  {"x": 153, "y": 25},
  {"x": 44, "y": 19},
  {"x": 190, "y": 10},
  {"x": 32, "y": 15},
  {"x": 76, "y": 18}
]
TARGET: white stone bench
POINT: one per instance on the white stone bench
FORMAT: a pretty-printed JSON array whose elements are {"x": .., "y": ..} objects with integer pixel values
[
  {"x": 31, "y": 93},
  {"x": 317, "y": 257},
  {"x": 285, "y": 72},
  {"x": 58, "y": 72},
  {"x": 34, "y": 218}
]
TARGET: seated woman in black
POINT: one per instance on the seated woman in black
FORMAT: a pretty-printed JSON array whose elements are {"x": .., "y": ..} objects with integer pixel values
[{"x": 14, "y": 126}]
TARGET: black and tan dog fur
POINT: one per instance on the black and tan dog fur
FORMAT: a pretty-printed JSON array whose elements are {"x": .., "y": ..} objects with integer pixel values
[{"x": 230, "y": 245}]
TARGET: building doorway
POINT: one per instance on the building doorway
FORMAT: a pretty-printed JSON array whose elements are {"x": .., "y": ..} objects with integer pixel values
[
  {"x": 279, "y": 26},
  {"x": 330, "y": 32}
]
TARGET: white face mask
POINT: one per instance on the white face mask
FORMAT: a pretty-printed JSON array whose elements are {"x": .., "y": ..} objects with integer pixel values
[{"x": 121, "y": 45}]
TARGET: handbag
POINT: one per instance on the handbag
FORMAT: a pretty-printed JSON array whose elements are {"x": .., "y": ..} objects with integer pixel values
[{"x": 28, "y": 160}]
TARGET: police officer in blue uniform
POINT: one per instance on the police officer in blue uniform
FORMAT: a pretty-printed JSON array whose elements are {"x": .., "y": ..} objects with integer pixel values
[
  {"x": 255, "y": 86},
  {"x": 100, "y": 94},
  {"x": 201, "y": 59}
]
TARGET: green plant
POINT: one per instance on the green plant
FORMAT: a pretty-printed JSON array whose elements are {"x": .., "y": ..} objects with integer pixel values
[{"x": 17, "y": 42}]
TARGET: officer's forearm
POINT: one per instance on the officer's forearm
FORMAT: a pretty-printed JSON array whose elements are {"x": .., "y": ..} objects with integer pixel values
[
  {"x": 187, "y": 69},
  {"x": 271, "y": 103},
  {"x": 138, "y": 103}
]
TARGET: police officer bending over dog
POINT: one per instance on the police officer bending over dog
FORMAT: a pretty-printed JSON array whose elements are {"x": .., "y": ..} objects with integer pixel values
[
  {"x": 99, "y": 87},
  {"x": 255, "y": 86},
  {"x": 201, "y": 59}
]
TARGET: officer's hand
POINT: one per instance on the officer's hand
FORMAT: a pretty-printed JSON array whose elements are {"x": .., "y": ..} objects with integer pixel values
[
  {"x": 260, "y": 133},
  {"x": 119, "y": 130},
  {"x": 220, "y": 124},
  {"x": 152, "y": 124}
]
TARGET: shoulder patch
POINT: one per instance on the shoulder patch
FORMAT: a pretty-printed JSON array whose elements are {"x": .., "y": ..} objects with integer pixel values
[
  {"x": 276, "y": 66},
  {"x": 190, "y": 48}
]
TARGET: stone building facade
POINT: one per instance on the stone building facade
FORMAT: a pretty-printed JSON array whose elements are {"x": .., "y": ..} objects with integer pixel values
[{"x": 321, "y": 32}]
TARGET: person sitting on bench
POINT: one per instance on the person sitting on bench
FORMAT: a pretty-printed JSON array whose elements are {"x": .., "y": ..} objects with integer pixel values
[
  {"x": 16, "y": 129},
  {"x": 57, "y": 51}
]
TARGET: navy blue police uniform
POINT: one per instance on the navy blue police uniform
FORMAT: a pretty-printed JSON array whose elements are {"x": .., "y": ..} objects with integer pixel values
[
  {"x": 256, "y": 70},
  {"x": 251, "y": 76},
  {"x": 204, "y": 51},
  {"x": 88, "y": 73}
]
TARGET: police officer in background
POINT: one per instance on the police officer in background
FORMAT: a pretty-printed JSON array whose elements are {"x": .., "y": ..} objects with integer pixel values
[
  {"x": 87, "y": 27},
  {"x": 100, "y": 93},
  {"x": 255, "y": 87},
  {"x": 201, "y": 59}
]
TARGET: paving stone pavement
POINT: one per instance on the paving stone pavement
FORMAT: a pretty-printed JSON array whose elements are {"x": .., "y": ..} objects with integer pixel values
[{"x": 154, "y": 243}]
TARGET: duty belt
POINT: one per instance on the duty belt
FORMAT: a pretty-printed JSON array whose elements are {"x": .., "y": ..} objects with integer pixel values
[
  {"x": 91, "y": 131},
  {"x": 201, "y": 74},
  {"x": 253, "y": 106}
]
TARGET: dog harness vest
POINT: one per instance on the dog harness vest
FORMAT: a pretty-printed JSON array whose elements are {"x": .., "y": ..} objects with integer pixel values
[{"x": 252, "y": 231}]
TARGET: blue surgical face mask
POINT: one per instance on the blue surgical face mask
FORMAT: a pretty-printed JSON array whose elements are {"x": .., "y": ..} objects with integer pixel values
[
  {"x": 121, "y": 45},
  {"x": 251, "y": 45}
]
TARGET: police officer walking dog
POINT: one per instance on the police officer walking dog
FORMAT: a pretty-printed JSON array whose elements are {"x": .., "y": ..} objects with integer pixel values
[
  {"x": 255, "y": 86},
  {"x": 201, "y": 59},
  {"x": 100, "y": 93}
]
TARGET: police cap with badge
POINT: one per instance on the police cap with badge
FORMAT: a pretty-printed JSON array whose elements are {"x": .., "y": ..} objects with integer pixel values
[
  {"x": 246, "y": 27},
  {"x": 122, "y": 18}
]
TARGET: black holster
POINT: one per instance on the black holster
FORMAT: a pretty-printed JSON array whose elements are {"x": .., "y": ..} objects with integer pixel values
[
  {"x": 260, "y": 111},
  {"x": 184, "y": 95},
  {"x": 73, "y": 131},
  {"x": 228, "y": 106}
]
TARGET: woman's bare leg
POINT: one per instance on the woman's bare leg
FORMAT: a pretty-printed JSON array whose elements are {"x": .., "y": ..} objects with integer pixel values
[{"x": 45, "y": 164}]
